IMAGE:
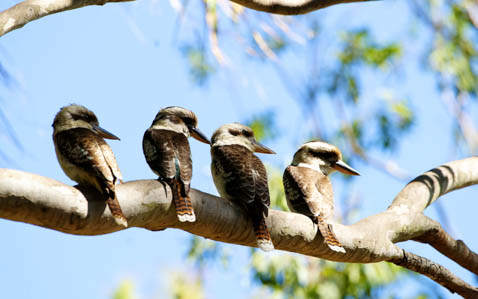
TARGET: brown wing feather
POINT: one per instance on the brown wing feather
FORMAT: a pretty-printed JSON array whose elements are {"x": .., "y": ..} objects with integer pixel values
[
  {"x": 183, "y": 154},
  {"x": 94, "y": 164},
  {"x": 158, "y": 150},
  {"x": 80, "y": 147},
  {"x": 165, "y": 151},
  {"x": 162, "y": 148},
  {"x": 243, "y": 178},
  {"x": 308, "y": 192},
  {"x": 233, "y": 164},
  {"x": 262, "y": 198},
  {"x": 110, "y": 159}
]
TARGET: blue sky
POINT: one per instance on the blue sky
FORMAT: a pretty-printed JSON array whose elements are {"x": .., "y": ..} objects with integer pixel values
[{"x": 120, "y": 60}]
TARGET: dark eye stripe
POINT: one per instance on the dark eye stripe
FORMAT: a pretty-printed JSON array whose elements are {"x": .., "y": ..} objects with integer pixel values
[
  {"x": 234, "y": 132},
  {"x": 325, "y": 155},
  {"x": 247, "y": 133}
]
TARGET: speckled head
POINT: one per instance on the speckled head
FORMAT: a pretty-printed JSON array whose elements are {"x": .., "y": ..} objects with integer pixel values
[
  {"x": 321, "y": 155},
  {"x": 76, "y": 116},
  {"x": 180, "y": 120},
  {"x": 238, "y": 134}
]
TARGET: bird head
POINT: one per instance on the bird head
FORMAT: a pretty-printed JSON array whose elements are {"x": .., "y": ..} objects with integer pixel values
[
  {"x": 180, "y": 120},
  {"x": 238, "y": 134},
  {"x": 76, "y": 116},
  {"x": 323, "y": 156}
]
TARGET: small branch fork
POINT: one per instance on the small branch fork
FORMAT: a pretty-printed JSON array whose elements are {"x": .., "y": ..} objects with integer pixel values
[{"x": 38, "y": 200}]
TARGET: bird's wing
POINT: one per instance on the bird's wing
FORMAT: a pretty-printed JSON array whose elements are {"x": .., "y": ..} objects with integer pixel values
[
  {"x": 233, "y": 165},
  {"x": 158, "y": 150},
  {"x": 262, "y": 198},
  {"x": 81, "y": 148},
  {"x": 110, "y": 159},
  {"x": 301, "y": 190},
  {"x": 183, "y": 155}
]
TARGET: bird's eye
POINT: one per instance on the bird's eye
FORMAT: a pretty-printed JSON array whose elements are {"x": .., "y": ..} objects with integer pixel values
[
  {"x": 247, "y": 133},
  {"x": 76, "y": 116},
  {"x": 234, "y": 132},
  {"x": 188, "y": 121}
]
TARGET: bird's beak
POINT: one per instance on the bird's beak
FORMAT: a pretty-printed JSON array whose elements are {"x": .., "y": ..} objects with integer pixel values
[
  {"x": 198, "y": 135},
  {"x": 260, "y": 148},
  {"x": 344, "y": 168},
  {"x": 105, "y": 134}
]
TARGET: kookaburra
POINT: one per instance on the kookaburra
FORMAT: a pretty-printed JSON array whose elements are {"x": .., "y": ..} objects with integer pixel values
[
  {"x": 241, "y": 177},
  {"x": 84, "y": 155},
  {"x": 166, "y": 149},
  {"x": 308, "y": 189}
]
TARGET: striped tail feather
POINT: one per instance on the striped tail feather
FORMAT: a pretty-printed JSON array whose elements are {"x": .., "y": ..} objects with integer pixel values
[
  {"x": 329, "y": 236},
  {"x": 263, "y": 237},
  {"x": 115, "y": 208},
  {"x": 184, "y": 207}
]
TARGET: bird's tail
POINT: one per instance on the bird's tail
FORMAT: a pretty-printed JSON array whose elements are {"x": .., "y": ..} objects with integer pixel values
[
  {"x": 115, "y": 208},
  {"x": 184, "y": 207},
  {"x": 327, "y": 232},
  {"x": 263, "y": 237}
]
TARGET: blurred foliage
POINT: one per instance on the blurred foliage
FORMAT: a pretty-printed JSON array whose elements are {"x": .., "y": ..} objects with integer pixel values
[
  {"x": 200, "y": 67},
  {"x": 264, "y": 125},
  {"x": 125, "y": 291},
  {"x": 203, "y": 251},
  {"x": 276, "y": 189},
  {"x": 291, "y": 276},
  {"x": 183, "y": 286}
]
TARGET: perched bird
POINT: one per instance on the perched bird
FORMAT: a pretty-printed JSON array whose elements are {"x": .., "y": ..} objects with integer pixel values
[
  {"x": 84, "y": 155},
  {"x": 166, "y": 149},
  {"x": 241, "y": 177},
  {"x": 308, "y": 189}
]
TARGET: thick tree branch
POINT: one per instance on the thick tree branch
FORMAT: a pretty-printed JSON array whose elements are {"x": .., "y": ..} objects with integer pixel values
[
  {"x": 29, "y": 10},
  {"x": 426, "y": 188},
  {"x": 45, "y": 202}
]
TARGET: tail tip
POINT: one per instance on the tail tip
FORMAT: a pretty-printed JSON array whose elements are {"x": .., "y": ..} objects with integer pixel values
[
  {"x": 121, "y": 221},
  {"x": 187, "y": 218},
  {"x": 337, "y": 248},
  {"x": 265, "y": 245}
]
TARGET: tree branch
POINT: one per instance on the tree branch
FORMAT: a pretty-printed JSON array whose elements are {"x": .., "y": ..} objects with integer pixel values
[
  {"x": 436, "y": 272},
  {"x": 426, "y": 188},
  {"x": 45, "y": 202},
  {"x": 454, "y": 249},
  {"x": 291, "y": 7},
  {"x": 29, "y": 10}
]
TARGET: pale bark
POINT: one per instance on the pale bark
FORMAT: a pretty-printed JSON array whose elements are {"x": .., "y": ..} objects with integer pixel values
[
  {"x": 29, "y": 10},
  {"x": 26, "y": 11},
  {"x": 45, "y": 202}
]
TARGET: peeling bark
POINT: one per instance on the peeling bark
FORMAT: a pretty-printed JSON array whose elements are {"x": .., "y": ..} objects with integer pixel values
[{"x": 34, "y": 199}]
